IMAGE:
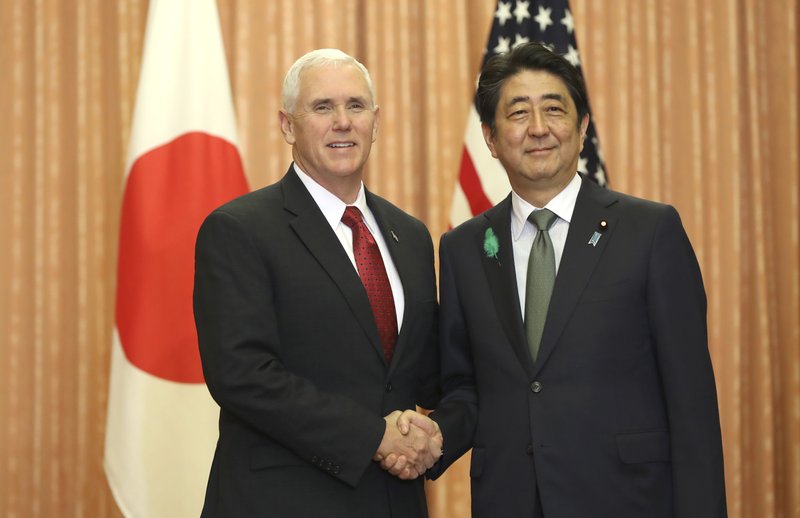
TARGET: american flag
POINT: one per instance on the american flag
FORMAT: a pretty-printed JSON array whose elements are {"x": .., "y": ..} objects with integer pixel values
[{"x": 482, "y": 182}]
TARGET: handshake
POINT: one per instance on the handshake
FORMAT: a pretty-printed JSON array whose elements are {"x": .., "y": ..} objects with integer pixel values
[{"x": 411, "y": 444}]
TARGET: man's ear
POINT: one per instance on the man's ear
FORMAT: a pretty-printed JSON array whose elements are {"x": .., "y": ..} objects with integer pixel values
[
  {"x": 287, "y": 126},
  {"x": 489, "y": 138},
  {"x": 583, "y": 128},
  {"x": 375, "y": 123}
]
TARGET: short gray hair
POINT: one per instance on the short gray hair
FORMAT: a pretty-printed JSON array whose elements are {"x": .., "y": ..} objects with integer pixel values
[{"x": 318, "y": 58}]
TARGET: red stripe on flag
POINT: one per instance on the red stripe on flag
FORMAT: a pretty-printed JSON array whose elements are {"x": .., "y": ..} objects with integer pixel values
[
  {"x": 471, "y": 185},
  {"x": 169, "y": 192}
]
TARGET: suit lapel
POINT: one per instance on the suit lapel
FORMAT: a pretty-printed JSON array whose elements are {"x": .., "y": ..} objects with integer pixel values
[
  {"x": 314, "y": 231},
  {"x": 502, "y": 279},
  {"x": 578, "y": 261}
]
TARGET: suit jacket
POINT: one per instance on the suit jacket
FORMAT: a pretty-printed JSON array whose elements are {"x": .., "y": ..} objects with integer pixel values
[
  {"x": 291, "y": 352},
  {"x": 618, "y": 415}
]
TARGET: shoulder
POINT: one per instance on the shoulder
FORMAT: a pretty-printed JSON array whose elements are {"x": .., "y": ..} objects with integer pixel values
[
  {"x": 494, "y": 218},
  {"x": 470, "y": 226},
  {"x": 394, "y": 215},
  {"x": 645, "y": 213},
  {"x": 264, "y": 197},
  {"x": 243, "y": 217},
  {"x": 593, "y": 193},
  {"x": 641, "y": 212},
  {"x": 252, "y": 208},
  {"x": 636, "y": 220},
  {"x": 642, "y": 205}
]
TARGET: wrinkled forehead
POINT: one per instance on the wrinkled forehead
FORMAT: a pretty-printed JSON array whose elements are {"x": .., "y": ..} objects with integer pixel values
[{"x": 337, "y": 82}]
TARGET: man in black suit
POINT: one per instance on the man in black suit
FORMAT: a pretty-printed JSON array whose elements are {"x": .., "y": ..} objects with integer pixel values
[
  {"x": 307, "y": 358},
  {"x": 607, "y": 407}
]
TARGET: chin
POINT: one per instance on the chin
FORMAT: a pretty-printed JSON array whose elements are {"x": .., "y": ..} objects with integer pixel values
[
  {"x": 345, "y": 172},
  {"x": 539, "y": 176}
]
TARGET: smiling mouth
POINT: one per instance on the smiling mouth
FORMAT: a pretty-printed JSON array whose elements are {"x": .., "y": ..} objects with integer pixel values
[{"x": 341, "y": 145}]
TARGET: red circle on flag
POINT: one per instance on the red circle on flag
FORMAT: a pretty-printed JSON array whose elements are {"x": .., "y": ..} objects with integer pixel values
[{"x": 169, "y": 192}]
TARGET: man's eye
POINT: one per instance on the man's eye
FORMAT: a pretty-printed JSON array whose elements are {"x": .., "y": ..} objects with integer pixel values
[
  {"x": 322, "y": 108},
  {"x": 356, "y": 107}
]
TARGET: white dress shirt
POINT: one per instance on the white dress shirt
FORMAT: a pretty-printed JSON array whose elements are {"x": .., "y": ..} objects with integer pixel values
[
  {"x": 333, "y": 210},
  {"x": 523, "y": 232}
]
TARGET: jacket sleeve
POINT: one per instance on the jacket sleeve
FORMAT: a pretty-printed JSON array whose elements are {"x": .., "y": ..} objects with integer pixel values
[
  {"x": 457, "y": 413},
  {"x": 677, "y": 308}
]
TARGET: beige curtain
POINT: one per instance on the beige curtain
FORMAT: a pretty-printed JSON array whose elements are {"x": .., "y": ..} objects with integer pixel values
[{"x": 696, "y": 103}]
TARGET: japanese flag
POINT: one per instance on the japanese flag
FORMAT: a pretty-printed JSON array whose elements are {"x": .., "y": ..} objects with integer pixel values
[{"x": 182, "y": 163}]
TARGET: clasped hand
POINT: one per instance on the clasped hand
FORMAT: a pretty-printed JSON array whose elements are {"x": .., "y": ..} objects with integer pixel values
[{"x": 411, "y": 444}]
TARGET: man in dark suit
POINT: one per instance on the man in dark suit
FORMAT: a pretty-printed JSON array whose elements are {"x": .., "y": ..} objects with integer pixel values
[
  {"x": 315, "y": 305},
  {"x": 602, "y": 402}
]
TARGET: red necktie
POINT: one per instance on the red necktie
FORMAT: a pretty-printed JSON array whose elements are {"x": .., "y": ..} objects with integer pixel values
[{"x": 373, "y": 276}]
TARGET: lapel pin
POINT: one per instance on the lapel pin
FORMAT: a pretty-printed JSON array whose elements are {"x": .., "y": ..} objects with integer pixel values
[
  {"x": 394, "y": 236},
  {"x": 602, "y": 226}
]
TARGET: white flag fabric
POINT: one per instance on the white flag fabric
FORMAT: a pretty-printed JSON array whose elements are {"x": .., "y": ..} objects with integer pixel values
[{"x": 182, "y": 163}]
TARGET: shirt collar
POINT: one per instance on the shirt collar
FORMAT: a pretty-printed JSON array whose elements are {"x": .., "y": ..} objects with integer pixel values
[
  {"x": 331, "y": 206},
  {"x": 563, "y": 205}
]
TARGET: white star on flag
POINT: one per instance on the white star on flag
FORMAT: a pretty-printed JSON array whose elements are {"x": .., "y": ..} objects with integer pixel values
[
  {"x": 582, "y": 165},
  {"x": 503, "y": 45},
  {"x": 543, "y": 18},
  {"x": 521, "y": 11},
  {"x": 600, "y": 176},
  {"x": 503, "y": 13},
  {"x": 568, "y": 22},
  {"x": 519, "y": 40},
  {"x": 596, "y": 144},
  {"x": 572, "y": 56}
]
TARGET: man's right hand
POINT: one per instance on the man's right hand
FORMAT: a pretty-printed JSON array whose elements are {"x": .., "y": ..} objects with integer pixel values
[{"x": 411, "y": 444}]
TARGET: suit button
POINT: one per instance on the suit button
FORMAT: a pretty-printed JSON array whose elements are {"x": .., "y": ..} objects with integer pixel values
[
  {"x": 388, "y": 387},
  {"x": 314, "y": 459},
  {"x": 336, "y": 470},
  {"x": 529, "y": 449},
  {"x": 536, "y": 387}
]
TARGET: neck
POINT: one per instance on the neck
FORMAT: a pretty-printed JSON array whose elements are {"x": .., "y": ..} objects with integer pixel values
[
  {"x": 345, "y": 191},
  {"x": 343, "y": 187},
  {"x": 539, "y": 196}
]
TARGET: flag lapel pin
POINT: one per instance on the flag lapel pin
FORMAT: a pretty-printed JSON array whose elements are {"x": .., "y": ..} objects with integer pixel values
[{"x": 602, "y": 226}]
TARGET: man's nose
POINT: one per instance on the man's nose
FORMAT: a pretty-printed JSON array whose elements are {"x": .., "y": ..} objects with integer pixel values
[
  {"x": 341, "y": 118},
  {"x": 537, "y": 126}
]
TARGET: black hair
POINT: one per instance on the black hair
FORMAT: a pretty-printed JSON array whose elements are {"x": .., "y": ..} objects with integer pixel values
[{"x": 528, "y": 56}]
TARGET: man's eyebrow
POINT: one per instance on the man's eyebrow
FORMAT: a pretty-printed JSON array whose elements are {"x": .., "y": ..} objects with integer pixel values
[
  {"x": 527, "y": 98},
  {"x": 360, "y": 99},
  {"x": 518, "y": 99},
  {"x": 554, "y": 97},
  {"x": 328, "y": 100},
  {"x": 322, "y": 100}
]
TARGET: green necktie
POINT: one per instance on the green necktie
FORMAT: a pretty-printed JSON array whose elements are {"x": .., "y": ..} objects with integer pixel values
[{"x": 541, "y": 277}]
